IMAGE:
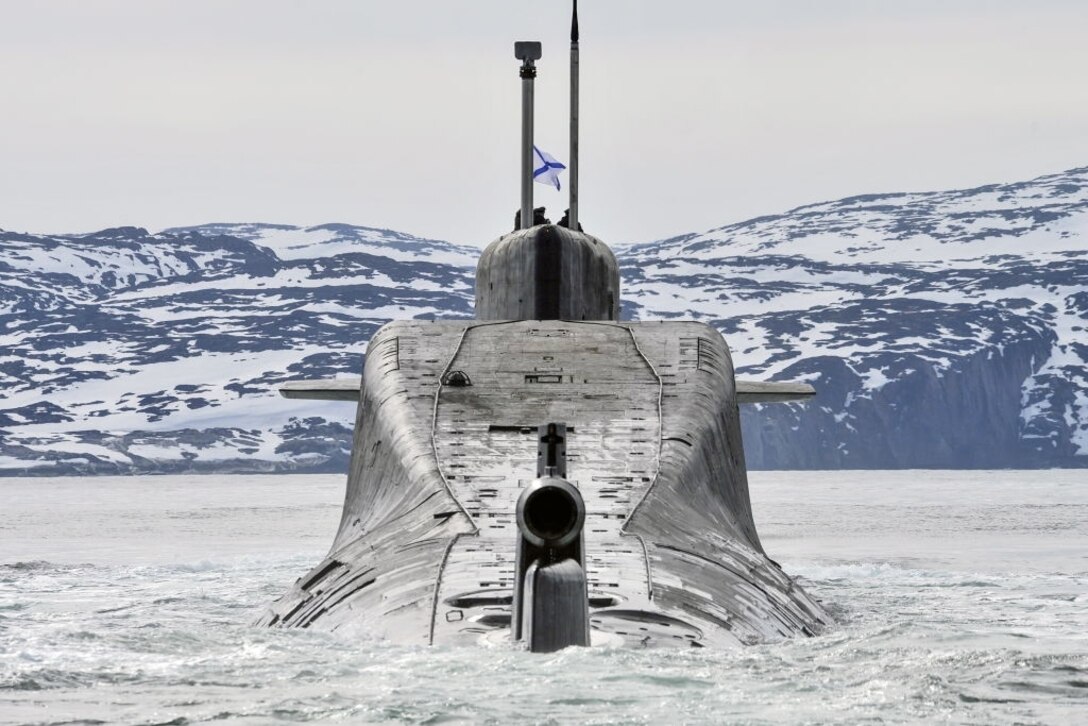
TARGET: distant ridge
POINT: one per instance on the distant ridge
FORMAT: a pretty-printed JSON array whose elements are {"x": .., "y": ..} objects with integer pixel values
[{"x": 942, "y": 329}]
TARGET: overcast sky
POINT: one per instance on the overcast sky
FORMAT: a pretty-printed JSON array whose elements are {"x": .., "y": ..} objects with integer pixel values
[{"x": 405, "y": 114}]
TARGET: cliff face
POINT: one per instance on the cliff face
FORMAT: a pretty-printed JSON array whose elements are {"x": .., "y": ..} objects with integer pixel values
[
  {"x": 943, "y": 329},
  {"x": 967, "y": 418}
]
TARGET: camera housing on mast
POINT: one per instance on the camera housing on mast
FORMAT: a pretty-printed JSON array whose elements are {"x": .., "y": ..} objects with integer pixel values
[{"x": 528, "y": 51}]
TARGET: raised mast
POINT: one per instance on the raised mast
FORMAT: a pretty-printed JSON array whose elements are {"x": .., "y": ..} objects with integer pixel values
[
  {"x": 573, "y": 168},
  {"x": 528, "y": 52}
]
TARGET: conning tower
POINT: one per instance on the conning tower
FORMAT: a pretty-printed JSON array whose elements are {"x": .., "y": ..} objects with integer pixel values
[{"x": 547, "y": 272}]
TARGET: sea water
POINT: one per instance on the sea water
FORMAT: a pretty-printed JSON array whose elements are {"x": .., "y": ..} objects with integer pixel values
[{"x": 959, "y": 597}]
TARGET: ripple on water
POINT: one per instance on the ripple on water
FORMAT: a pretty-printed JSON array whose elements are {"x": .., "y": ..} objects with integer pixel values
[
  {"x": 879, "y": 663},
  {"x": 913, "y": 642}
]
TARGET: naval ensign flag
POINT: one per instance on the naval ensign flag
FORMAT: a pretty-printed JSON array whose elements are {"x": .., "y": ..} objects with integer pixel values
[{"x": 546, "y": 168}]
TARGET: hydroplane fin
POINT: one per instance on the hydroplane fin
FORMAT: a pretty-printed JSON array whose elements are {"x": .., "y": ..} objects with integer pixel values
[
  {"x": 347, "y": 389},
  {"x": 325, "y": 389},
  {"x": 772, "y": 391}
]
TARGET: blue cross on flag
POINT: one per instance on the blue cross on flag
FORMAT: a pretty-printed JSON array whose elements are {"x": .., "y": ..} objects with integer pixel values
[{"x": 546, "y": 168}]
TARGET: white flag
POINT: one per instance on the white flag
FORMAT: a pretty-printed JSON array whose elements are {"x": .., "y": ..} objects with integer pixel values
[{"x": 545, "y": 168}]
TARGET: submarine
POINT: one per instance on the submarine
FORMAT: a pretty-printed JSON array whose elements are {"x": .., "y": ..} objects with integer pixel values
[{"x": 548, "y": 474}]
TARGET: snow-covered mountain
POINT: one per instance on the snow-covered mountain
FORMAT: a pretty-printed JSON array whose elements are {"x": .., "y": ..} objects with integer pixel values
[{"x": 942, "y": 329}]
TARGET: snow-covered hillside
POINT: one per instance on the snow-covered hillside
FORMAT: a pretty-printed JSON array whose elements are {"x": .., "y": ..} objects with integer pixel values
[
  {"x": 129, "y": 351},
  {"x": 941, "y": 329}
]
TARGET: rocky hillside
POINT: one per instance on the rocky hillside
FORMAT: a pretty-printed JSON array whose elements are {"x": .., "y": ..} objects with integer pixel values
[{"x": 942, "y": 329}]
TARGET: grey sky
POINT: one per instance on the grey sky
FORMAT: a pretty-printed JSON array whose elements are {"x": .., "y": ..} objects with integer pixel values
[{"x": 405, "y": 114}]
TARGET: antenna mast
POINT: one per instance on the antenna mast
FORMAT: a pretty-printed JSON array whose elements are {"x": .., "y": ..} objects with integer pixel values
[{"x": 573, "y": 180}]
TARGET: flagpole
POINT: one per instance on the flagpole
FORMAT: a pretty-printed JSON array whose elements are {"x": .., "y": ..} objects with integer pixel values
[{"x": 573, "y": 180}]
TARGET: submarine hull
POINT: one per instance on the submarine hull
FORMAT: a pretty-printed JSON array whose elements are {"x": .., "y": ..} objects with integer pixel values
[{"x": 446, "y": 441}]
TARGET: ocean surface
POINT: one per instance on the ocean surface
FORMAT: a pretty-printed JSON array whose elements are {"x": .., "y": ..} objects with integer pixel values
[{"x": 961, "y": 597}]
